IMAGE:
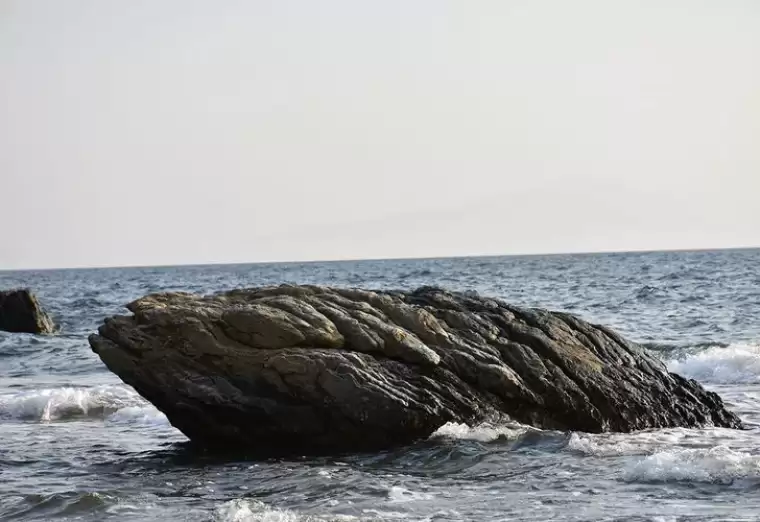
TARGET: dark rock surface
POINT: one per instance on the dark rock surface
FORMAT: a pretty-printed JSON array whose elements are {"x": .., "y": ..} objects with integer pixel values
[
  {"x": 21, "y": 312},
  {"x": 301, "y": 369}
]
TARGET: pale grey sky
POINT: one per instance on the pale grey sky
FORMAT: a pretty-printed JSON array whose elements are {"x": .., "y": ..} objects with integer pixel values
[{"x": 180, "y": 131}]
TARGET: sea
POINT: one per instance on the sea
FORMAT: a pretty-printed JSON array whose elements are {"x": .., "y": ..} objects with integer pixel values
[{"x": 78, "y": 444}]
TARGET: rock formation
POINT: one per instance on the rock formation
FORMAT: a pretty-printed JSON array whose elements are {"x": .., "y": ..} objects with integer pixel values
[
  {"x": 21, "y": 312},
  {"x": 303, "y": 369}
]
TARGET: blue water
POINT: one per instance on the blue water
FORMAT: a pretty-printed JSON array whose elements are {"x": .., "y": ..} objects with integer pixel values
[{"x": 79, "y": 445}]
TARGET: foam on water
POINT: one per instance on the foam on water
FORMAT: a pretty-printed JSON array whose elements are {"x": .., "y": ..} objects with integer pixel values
[
  {"x": 398, "y": 494},
  {"x": 482, "y": 433},
  {"x": 240, "y": 510},
  {"x": 244, "y": 510},
  {"x": 733, "y": 364},
  {"x": 140, "y": 415},
  {"x": 67, "y": 402},
  {"x": 718, "y": 464},
  {"x": 120, "y": 447},
  {"x": 619, "y": 444}
]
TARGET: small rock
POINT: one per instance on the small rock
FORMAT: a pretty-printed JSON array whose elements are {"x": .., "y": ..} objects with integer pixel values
[{"x": 21, "y": 312}]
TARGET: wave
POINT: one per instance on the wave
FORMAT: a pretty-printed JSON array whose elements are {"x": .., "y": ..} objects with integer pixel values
[
  {"x": 398, "y": 494},
  {"x": 65, "y": 504},
  {"x": 424, "y": 272},
  {"x": 117, "y": 403},
  {"x": 141, "y": 415},
  {"x": 241, "y": 510},
  {"x": 624, "y": 444},
  {"x": 249, "y": 510},
  {"x": 719, "y": 465},
  {"x": 649, "y": 292},
  {"x": 244, "y": 510},
  {"x": 717, "y": 364},
  {"x": 482, "y": 433},
  {"x": 681, "y": 350}
]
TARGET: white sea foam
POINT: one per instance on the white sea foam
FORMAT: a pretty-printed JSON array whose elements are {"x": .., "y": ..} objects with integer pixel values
[
  {"x": 482, "y": 433},
  {"x": 241, "y": 510},
  {"x": 737, "y": 363},
  {"x": 718, "y": 464},
  {"x": 244, "y": 510},
  {"x": 118, "y": 402},
  {"x": 591, "y": 445},
  {"x": 398, "y": 494},
  {"x": 377, "y": 515},
  {"x": 619, "y": 444},
  {"x": 142, "y": 415}
]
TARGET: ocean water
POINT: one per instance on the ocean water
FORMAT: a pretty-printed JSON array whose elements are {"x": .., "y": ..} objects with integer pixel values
[{"x": 76, "y": 444}]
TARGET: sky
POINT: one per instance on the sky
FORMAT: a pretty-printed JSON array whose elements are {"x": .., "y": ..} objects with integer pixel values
[{"x": 147, "y": 132}]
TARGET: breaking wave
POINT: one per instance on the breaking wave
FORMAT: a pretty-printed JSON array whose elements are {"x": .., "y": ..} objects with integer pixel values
[
  {"x": 732, "y": 364},
  {"x": 116, "y": 403},
  {"x": 719, "y": 464},
  {"x": 482, "y": 433},
  {"x": 248, "y": 510},
  {"x": 623, "y": 444},
  {"x": 243, "y": 510}
]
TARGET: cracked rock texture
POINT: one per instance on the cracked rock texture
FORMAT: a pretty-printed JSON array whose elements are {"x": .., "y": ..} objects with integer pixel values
[
  {"x": 307, "y": 369},
  {"x": 21, "y": 312}
]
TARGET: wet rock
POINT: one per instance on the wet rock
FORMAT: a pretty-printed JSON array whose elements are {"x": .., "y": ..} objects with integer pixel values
[
  {"x": 20, "y": 311},
  {"x": 306, "y": 369}
]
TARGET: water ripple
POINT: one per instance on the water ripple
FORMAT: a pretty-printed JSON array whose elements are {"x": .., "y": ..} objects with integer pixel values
[{"x": 79, "y": 445}]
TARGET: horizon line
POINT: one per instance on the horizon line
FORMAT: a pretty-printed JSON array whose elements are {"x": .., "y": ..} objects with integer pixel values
[{"x": 410, "y": 258}]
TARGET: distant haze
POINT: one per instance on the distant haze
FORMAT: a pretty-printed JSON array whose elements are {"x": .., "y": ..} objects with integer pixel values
[{"x": 177, "y": 131}]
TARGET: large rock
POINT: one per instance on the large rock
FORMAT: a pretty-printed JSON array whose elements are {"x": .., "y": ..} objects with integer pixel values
[
  {"x": 21, "y": 312},
  {"x": 300, "y": 369}
]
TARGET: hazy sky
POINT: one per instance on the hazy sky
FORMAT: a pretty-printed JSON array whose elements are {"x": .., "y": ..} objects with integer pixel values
[{"x": 179, "y": 131}]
